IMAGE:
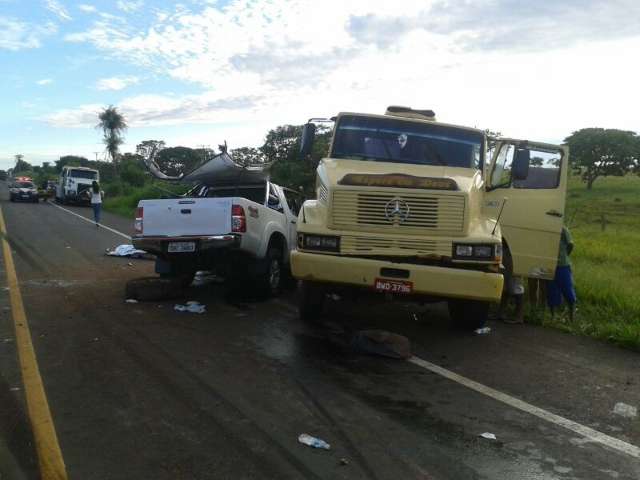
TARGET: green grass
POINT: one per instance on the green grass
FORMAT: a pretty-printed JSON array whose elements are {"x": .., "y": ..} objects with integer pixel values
[
  {"x": 605, "y": 223},
  {"x": 126, "y": 202}
]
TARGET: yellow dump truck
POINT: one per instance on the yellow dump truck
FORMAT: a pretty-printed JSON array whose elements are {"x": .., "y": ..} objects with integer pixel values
[{"x": 407, "y": 205}]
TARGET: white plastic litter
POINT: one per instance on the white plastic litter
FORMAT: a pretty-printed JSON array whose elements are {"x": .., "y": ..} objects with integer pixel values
[
  {"x": 131, "y": 300},
  {"x": 192, "y": 307},
  {"x": 624, "y": 410},
  {"x": 488, "y": 436},
  {"x": 126, "y": 251},
  {"x": 482, "y": 331},
  {"x": 314, "y": 442}
]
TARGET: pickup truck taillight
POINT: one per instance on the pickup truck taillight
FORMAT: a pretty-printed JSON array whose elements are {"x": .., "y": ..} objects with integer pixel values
[
  {"x": 137, "y": 224},
  {"x": 238, "y": 219}
]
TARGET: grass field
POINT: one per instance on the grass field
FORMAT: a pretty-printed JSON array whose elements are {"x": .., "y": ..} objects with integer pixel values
[{"x": 605, "y": 223}]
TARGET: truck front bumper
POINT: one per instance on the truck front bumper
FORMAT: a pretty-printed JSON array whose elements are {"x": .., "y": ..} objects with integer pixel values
[{"x": 435, "y": 281}]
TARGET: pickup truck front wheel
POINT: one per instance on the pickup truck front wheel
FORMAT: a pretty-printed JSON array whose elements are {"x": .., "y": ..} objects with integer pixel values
[
  {"x": 310, "y": 300},
  {"x": 468, "y": 314}
]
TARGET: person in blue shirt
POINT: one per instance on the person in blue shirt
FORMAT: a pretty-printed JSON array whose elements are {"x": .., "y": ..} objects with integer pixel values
[{"x": 562, "y": 284}]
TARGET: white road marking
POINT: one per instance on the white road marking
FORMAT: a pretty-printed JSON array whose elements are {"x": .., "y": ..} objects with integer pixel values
[
  {"x": 113, "y": 230},
  {"x": 589, "y": 433}
]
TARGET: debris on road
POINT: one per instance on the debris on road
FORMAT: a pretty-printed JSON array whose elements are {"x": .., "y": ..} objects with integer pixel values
[
  {"x": 380, "y": 342},
  {"x": 126, "y": 251},
  {"x": 624, "y": 410},
  {"x": 154, "y": 288},
  {"x": 131, "y": 300},
  {"x": 344, "y": 462},
  {"x": 482, "y": 331},
  {"x": 313, "y": 441},
  {"x": 192, "y": 307},
  {"x": 488, "y": 436}
]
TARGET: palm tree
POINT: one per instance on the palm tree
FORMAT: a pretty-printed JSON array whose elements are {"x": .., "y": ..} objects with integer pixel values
[{"x": 113, "y": 125}]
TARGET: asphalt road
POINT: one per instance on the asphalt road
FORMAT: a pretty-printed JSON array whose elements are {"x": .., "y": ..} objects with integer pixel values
[{"x": 139, "y": 391}]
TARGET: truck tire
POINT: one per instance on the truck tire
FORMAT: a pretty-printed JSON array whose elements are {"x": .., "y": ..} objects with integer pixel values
[
  {"x": 271, "y": 280},
  {"x": 310, "y": 300},
  {"x": 179, "y": 273},
  {"x": 468, "y": 314}
]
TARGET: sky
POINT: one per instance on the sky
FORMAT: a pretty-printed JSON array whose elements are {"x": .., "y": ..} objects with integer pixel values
[{"x": 198, "y": 73}]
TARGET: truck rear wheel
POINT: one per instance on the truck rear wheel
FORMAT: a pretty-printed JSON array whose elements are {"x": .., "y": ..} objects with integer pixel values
[
  {"x": 270, "y": 282},
  {"x": 468, "y": 314},
  {"x": 310, "y": 300}
]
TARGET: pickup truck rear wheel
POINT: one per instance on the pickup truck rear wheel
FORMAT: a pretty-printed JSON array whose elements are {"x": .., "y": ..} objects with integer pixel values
[
  {"x": 270, "y": 282},
  {"x": 468, "y": 314},
  {"x": 310, "y": 300}
]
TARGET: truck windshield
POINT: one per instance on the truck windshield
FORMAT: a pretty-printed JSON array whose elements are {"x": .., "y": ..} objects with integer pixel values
[
  {"x": 402, "y": 141},
  {"x": 83, "y": 174}
]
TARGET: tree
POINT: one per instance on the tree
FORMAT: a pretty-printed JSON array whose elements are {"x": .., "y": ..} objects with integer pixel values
[
  {"x": 248, "y": 156},
  {"x": 21, "y": 164},
  {"x": 599, "y": 152},
  {"x": 536, "y": 162},
  {"x": 147, "y": 146},
  {"x": 176, "y": 160},
  {"x": 281, "y": 148},
  {"x": 113, "y": 125},
  {"x": 132, "y": 169},
  {"x": 72, "y": 161}
]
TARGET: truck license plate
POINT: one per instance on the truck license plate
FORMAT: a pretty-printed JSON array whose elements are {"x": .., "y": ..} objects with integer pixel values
[
  {"x": 181, "y": 247},
  {"x": 392, "y": 286}
]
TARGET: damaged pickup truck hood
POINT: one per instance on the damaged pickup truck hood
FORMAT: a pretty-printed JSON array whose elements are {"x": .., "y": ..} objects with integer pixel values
[{"x": 219, "y": 170}]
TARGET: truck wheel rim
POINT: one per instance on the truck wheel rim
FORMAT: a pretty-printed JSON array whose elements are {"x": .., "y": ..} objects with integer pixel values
[{"x": 274, "y": 274}]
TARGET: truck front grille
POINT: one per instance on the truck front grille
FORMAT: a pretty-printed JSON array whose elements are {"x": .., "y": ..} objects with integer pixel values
[
  {"x": 371, "y": 245},
  {"x": 410, "y": 213}
]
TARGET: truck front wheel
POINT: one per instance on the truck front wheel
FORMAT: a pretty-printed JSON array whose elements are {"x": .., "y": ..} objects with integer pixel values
[
  {"x": 468, "y": 314},
  {"x": 311, "y": 300}
]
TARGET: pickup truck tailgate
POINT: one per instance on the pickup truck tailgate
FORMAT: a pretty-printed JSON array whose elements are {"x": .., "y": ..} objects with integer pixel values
[{"x": 186, "y": 217}]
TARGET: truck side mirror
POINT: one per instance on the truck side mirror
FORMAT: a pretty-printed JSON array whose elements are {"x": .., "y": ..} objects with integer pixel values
[
  {"x": 306, "y": 141},
  {"x": 273, "y": 200},
  {"x": 521, "y": 164}
]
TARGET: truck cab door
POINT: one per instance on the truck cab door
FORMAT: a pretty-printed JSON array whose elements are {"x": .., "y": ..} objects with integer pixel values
[{"x": 533, "y": 206}]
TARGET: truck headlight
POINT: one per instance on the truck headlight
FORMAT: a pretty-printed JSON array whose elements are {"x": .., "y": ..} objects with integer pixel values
[
  {"x": 318, "y": 242},
  {"x": 477, "y": 252}
]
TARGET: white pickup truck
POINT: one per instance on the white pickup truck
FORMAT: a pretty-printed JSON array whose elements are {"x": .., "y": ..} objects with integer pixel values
[{"x": 240, "y": 232}]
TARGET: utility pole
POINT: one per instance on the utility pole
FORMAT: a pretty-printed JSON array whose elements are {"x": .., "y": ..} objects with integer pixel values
[{"x": 96, "y": 153}]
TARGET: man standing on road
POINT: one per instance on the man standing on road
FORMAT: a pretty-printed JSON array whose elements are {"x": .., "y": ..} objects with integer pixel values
[
  {"x": 96, "y": 201},
  {"x": 562, "y": 284}
]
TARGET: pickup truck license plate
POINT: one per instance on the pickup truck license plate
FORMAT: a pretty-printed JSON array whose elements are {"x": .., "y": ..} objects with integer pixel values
[
  {"x": 392, "y": 286},
  {"x": 181, "y": 247}
]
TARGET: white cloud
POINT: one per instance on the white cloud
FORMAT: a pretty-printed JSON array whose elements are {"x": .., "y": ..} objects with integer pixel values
[
  {"x": 153, "y": 110},
  {"x": 116, "y": 83},
  {"x": 283, "y": 61},
  {"x": 87, "y": 8},
  {"x": 45, "y": 81},
  {"x": 129, "y": 5},
  {"x": 17, "y": 35},
  {"x": 58, "y": 9}
]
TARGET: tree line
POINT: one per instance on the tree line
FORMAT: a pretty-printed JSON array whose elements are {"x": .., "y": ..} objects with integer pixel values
[{"x": 594, "y": 153}]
